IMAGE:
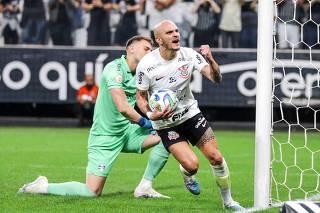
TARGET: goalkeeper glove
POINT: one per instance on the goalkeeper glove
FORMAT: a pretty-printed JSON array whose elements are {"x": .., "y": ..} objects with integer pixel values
[{"x": 143, "y": 122}]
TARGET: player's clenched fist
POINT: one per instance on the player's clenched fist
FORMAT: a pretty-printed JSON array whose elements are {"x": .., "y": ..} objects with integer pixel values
[{"x": 205, "y": 51}]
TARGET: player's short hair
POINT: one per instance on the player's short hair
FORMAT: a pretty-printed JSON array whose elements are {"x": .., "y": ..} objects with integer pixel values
[{"x": 138, "y": 38}]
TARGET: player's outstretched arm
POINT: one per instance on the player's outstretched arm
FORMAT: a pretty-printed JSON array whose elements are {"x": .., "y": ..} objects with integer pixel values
[
  {"x": 142, "y": 102},
  {"x": 120, "y": 100},
  {"x": 212, "y": 72}
]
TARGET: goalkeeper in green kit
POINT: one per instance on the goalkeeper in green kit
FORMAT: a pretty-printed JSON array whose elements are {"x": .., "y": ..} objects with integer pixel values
[{"x": 116, "y": 128}]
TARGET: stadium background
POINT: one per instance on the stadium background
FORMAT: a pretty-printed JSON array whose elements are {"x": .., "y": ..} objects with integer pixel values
[{"x": 27, "y": 72}]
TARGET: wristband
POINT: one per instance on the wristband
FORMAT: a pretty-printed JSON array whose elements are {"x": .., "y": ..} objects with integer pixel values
[
  {"x": 143, "y": 122},
  {"x": 149, "y": 114}
]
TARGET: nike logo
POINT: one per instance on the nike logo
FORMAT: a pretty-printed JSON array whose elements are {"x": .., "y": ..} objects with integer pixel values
[{"x": 158, "y": 78}]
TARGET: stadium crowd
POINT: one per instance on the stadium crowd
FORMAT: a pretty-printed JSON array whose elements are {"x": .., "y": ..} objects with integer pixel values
[
  {"x": 219, "y": 23},
  {"x": 112, "y": 22}
]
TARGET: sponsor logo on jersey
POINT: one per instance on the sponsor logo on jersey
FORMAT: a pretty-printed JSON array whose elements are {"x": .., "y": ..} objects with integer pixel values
[
  {"x": 178, "y": 116},
  {"x": 159, "y": 78},
  {"x": 172, "y": 80},
  {"x": 119, "y": 67},
  {"x": 172, "y": 135},
  {"x": 149, "y": 69},
  {"x": 199, "y": 59},
  {"x": 140, "y": 75},
  {"x": 201, "y": 121},
  {"x": 118, "y": 78},
  {"x": 184, "y": 59}
]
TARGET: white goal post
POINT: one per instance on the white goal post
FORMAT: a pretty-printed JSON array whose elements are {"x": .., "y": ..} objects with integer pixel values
[
  {"x": 287, "y": 130},
  {"x": 263, "y": 104}
]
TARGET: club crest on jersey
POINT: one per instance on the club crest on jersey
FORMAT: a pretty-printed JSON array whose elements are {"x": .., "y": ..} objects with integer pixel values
[
  {"x": 172, "y": 135},
  {"x": 184, "y": 71}
]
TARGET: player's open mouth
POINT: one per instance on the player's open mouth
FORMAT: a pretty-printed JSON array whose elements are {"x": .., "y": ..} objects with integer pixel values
[{"x": 176, "y": 41}]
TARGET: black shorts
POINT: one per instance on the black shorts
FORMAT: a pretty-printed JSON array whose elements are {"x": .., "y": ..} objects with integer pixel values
[{"x": 191, "y": 130}]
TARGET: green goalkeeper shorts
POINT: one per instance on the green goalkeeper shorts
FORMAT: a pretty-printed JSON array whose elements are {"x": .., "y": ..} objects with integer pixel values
[{"x": 104, "y": 150}]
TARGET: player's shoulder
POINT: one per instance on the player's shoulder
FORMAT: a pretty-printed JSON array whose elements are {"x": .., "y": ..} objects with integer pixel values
[
  {"x": 115, "y": 63},
  {"x": 187, "y": 51},
  {"x": 186, "y": 54},
  {"x": 113, "y": 66},
  {"x": 154, "y": 54},
  {"x": 149, "y": 60}
]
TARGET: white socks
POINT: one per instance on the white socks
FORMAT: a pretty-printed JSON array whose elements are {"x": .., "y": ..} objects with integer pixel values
[
  {"x": 144, "y": 183},
  {"x": 221, "y": 172}
]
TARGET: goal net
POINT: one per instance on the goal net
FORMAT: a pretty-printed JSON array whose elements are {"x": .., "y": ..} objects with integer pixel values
[
  {"x": 295, "y": 141},
  {"x": 287, "y": 164}
]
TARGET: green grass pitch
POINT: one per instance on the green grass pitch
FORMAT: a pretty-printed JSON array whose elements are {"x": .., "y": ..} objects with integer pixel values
[{"x": 61, "y": 155}]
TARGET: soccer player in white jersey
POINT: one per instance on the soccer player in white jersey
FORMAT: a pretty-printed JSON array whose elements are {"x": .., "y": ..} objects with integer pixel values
[
  {"x": 170, "y": 67},
  {"x": 112, "y": 132}
]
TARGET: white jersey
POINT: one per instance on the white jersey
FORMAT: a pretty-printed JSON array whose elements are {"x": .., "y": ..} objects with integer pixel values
[{"x": 154, "y": 73}]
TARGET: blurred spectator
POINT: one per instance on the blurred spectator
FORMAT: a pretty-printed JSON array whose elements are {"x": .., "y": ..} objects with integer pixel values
[
  {"x": 159, "y": 10},
  {"x": 230, "y": 23},
  {"x": 288, "y": 26},
  {"x": 99, "y": 33},
  {"x": 33, "y": 22},
  {"x": 142, "y": 19},
  {"x": 61, "y": 14},
  {"x": 127, "y": 26},
  {"x": 206, "y": 29},
  {"x": 10, "y": 31},
  {"x": 188, "y": 20},
  {"x": 79, "y": 33},
  {"x": 1, "y": 22},
  {"x": 310, "y": 29},
  {"x": 86, "y": 98},
  {"x": 248, "y": 34}
]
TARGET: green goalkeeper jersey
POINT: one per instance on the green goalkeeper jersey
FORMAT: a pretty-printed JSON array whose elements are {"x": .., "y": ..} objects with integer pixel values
[{"x": 107, "y": 120}]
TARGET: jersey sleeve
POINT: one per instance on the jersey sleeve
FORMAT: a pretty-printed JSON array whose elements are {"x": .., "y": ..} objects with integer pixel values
[
  {"x": 142, "y": 80},
  {"x": 113, "y": 77},
  {"x": 199, "y": 61}
]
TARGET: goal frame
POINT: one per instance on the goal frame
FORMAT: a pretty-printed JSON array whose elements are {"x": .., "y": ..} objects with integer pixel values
[{"x": 263, "y": 104}]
